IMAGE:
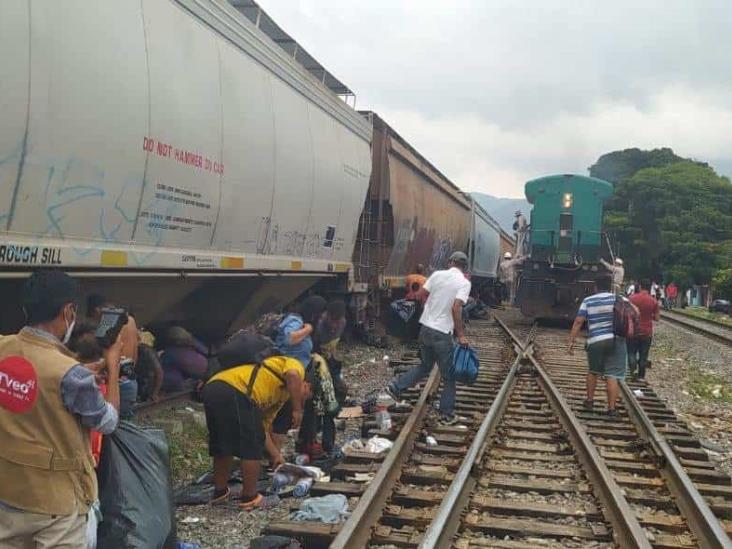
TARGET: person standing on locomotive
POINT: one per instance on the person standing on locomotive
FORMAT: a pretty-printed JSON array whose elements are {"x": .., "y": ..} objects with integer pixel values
[
  {"x": 447, "y": 292},
  {"x": 618, "y": 274}
]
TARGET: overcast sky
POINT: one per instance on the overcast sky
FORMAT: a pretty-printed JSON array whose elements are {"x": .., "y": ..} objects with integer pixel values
[{"x": 496, "y": 92}]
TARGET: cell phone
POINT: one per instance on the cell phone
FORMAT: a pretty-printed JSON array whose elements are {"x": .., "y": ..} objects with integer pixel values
[{"x": 112, "y": 321}]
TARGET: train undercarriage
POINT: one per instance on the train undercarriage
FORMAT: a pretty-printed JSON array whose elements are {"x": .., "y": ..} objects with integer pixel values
[{"x": 543, "y": 291}]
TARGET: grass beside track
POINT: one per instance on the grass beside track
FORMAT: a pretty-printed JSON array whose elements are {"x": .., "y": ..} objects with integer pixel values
[
  {"x": 708, "y": 386},
  {"x": 704, "y": 314}
]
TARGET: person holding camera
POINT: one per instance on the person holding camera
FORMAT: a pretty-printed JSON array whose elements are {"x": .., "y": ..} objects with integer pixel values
[{"x": 48, "y": 404}]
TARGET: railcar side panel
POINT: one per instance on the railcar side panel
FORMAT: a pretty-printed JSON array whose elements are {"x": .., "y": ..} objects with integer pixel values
[
  {"x": 14, "y": 89},
  {"x": 249, "y": 148},
  {"x": 84, "y": 164},
  {"x": 485, "y": 250}
]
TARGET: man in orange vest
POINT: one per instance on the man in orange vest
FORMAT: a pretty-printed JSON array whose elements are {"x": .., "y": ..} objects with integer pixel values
[{"x": 48, "y": 404}]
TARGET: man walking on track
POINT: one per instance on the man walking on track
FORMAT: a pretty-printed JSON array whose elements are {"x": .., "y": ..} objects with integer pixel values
[
  {"x": 638, "y": 347},
  {"x": 606, "y": 352},
  {"x": 447, "y": 291}
]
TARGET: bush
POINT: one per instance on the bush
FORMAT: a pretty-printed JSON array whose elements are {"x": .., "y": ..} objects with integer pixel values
[{"x": 722, "y": 284}]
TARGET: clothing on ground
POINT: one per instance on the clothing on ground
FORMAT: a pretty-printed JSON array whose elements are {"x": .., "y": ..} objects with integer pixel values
[
  {"x": 269, "y": 392},
  {"x": 234, "y": 422},
  {"x": 608, "y": 357},
  {"x": 444, "y": 288},
  {"x": 598, "y": 310},
  {"x": 330, "y": 509},
  {"x": 648, "y": 308},
  {"x": 301, "y": 351}
]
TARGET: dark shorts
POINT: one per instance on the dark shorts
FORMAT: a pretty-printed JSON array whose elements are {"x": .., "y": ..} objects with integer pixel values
[
  {"x": 234, "y": 423},
  {"x": 608, "y": 357}
]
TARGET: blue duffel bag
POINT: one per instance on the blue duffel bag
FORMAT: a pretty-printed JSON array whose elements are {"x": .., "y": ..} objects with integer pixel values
[{"x": 465, "y": 365}]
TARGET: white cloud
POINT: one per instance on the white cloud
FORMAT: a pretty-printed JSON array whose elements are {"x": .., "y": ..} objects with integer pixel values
[{"x": 495, "y": 92}]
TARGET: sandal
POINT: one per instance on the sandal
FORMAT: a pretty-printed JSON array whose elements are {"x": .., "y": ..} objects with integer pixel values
[
  {"x": 223, "y": 498},
  {"x": 260, "y": 502}
]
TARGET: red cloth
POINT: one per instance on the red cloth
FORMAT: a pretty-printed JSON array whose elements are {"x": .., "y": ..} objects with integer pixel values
[
  {"x": 672, "y": 290},
  {"x": 648, "y": 308},
  {"x": 95, "y": 436}
]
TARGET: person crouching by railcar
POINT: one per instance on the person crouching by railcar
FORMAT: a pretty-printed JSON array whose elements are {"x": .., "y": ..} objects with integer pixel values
[
  {"x": 447, "y": 292},
  {"x": 327, "y": 337},
  {"x": 48, "y": 405},
  {"x": 240, "y": 405},
  {"x": 640, "y": 346},
  {"x": 606, "y": 353}
]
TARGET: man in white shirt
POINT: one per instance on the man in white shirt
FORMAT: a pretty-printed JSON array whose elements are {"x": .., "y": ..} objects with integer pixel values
[{"x": 447, "y": 291}]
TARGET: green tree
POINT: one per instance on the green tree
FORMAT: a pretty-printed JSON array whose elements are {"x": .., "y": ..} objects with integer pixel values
[
  {"x": 672, "y": 221},
  {"x": 617, "y": 165},
  {"x": 722, "y": 284}
]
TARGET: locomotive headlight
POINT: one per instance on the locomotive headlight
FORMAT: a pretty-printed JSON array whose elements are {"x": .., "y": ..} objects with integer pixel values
[
  {"x": 593, "y": 268},
  {"x": 567, "y": 201}
]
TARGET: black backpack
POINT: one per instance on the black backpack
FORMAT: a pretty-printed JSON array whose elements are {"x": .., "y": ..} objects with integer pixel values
[
  {"x": 241, "y": 348},
  {"x": 626, "y": 321}
]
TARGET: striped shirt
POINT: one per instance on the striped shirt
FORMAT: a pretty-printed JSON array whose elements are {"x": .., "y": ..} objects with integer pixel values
[{"x": 598, "y": 310}]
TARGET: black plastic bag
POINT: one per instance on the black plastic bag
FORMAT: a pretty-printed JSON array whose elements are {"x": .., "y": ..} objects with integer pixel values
[{"x": 135, "y": 491}]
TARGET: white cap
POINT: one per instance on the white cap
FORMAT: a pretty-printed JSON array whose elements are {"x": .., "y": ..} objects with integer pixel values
[
  {"x": 618, "y": 261},
  {"x": 507, "y": 255}
]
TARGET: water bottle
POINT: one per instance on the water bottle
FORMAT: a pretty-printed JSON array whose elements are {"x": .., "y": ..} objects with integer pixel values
[
  {"x": 302, "y": 487},
  {"x": 280, "y": 480},
  {"x": 383, "y": 419}
]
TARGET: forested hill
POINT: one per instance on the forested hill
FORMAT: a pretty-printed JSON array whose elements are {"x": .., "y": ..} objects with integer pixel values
[
  {"x": 503, "y": 209},
  {"x": 670, "y": 217}
]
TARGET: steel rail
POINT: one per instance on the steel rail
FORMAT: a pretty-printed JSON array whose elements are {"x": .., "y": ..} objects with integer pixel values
[
  {"x": 356, "y": 532},
  {"x": 702, "y": 522},
  {"x": 447, "y": 519},
  {"x": 721, "y": 338},
  {"x": 627, "y": 530},
  {"x": 150, "y": 405}
]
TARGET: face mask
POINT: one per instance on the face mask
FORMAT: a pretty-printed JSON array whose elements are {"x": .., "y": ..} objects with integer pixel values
[{"x": 69, "y": 331}]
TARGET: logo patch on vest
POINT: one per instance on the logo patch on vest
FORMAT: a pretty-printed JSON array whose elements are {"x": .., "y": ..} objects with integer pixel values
[{"x": 18, "y": 384}]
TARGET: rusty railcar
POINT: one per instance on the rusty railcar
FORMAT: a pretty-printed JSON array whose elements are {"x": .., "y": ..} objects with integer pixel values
[{"x": 413, "y": 214}]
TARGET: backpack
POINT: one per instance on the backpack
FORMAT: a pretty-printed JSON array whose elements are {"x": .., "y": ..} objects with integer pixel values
[
  {"x": 626, "y": 320},
  {"x": 465, "y": 365},
  {"x": 241, "y": 348}
]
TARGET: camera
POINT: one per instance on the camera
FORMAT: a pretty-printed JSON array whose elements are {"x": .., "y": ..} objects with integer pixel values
[{"x": 111, "y": 323}]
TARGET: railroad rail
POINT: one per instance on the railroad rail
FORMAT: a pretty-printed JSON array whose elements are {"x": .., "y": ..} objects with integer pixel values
[
  {"x": 408, "y": 484},
  {"x": 152, "y": 405},
  {"x": 708, "y": 328},
  {"x": 529, "y": 465}
]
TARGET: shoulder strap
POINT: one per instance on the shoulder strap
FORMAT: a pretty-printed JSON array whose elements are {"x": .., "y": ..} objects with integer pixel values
[{"x": 255, "y": 372}]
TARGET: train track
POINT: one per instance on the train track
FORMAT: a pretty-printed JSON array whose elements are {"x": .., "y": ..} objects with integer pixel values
[
  {"x": 708, "y": 328},
  {"x": 530, "y": 466},
  {"x": 654, "y": 486},
  {"x": 408, "y": 484}
]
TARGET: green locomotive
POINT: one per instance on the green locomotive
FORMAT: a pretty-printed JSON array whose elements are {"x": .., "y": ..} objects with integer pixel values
[{"x": 561, "y": 257}]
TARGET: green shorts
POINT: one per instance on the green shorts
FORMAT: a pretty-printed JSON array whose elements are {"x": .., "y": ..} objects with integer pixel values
[{"x": 608, "y": 357}]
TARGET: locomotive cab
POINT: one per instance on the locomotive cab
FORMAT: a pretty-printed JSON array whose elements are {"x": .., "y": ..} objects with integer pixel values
[{"x": 566, "y": 243}]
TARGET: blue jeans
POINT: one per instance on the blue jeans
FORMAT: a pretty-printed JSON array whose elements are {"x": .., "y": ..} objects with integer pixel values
[
  {"x": 434, "y": 346},
  {"x": 127, "y": 398}
]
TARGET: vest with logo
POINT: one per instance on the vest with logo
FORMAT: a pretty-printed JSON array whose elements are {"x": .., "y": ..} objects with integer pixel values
[{"x": 46, "y": 464}]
